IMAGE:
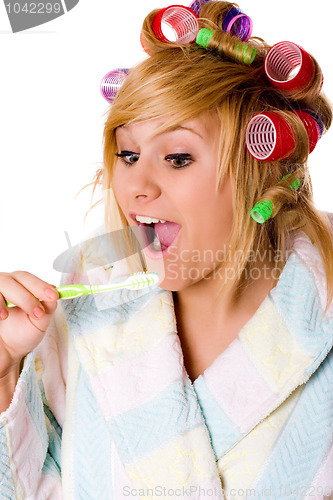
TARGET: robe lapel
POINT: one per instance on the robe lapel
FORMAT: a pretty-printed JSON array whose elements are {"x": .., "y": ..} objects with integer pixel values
[{"x": 277, "y": 351}]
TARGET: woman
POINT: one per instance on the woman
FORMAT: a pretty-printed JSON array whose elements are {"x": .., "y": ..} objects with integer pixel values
[{"x": 224, "y": 386}]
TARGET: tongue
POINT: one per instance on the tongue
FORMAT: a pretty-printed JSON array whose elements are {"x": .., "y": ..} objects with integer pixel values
[{"x": 166, "y": 232}]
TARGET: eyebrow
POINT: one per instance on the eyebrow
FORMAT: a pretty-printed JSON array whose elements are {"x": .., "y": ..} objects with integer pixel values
[{"x": 172, "y": 128}]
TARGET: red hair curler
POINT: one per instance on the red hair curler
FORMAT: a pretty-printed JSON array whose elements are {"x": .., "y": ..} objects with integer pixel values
[
  {"x": 269, "y": 137},
  {"x": 317, "y": 119},
  {"x": 182, "y": 20},
  {"x": 312, "y": 128},
  {"x": 112, "y": 82},
  {"x": 145, "y": 48},
  {"x": 289, "y": 67}
]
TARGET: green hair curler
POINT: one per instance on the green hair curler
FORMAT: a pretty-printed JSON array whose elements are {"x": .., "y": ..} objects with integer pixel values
[
  {"x": 263, "y": 210},
  {"x": 243, "y": 52}
]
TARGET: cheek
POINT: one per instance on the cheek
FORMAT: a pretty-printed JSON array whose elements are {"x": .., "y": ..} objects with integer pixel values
[
  {"x": 193, "y": 193},
  {"x": 119, "y": 192},
  {"x": 118, "y": 187},
  {"x": 224, "y": 208},
  {"x": 201, "y": 197},
  {"x": 217, "y": 210}
]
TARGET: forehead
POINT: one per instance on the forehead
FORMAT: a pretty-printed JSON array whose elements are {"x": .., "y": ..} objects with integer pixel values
[{"x": 201, "y": 127}]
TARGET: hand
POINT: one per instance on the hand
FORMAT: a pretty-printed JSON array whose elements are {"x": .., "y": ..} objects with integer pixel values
[{"x": 23, "y": 327}]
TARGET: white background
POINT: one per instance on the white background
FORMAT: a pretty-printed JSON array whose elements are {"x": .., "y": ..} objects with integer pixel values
[{"x": 51, "y": 115}]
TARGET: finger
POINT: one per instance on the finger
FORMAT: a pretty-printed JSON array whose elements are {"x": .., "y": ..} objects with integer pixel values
[
  {"x": 40, "y": 288},
  {"x": 44, "y": 291},
  {"x": 42, "y": 322},
  {"x": 50, "y": 302},
  {"x": 50, "y": 305},
  {"x": 17, "y": 293},
  {"x": 3, "y": 311},
  {"x": 3, "y": 305},
  {"x": 35, "y": 326}
]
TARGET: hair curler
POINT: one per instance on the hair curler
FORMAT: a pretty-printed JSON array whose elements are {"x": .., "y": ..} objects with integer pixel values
[
  {"x": 112, "y": 82},
  {"x": 312, "y": 128},
  {"x": 269, "y": 137},
  {"x": 182, "y": 20},
  {"x": 289, "y": 67},
  {"x": 263, "y": 210},
  {"x": 317, "y": 119},
  {"x": 238, "y": 24},
  {"x": 242, "y": 52},
  {"x": 196, "y": 5}
]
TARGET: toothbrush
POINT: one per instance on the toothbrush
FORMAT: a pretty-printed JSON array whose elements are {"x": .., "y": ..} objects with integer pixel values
[{"x": 133, "y": 282}]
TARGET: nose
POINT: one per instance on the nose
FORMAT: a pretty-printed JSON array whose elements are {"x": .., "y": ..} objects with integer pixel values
[{"x": 142, "y": 181}]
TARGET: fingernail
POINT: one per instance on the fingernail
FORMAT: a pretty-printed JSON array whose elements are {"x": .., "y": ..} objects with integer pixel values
[
  {"x": 51, "y": 294},
  {"x": 3, "y": 313},
  {"x": 38, "y": 312}
]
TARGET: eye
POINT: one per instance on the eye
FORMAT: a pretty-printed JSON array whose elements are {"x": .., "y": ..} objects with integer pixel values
[
  {"x": 179, "y": 160},
  {"x": 128, "y": 157}
]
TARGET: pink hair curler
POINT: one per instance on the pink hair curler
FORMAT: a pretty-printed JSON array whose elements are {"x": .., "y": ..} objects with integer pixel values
[
  {"x": 182, "y": 20},
  {"x": 112, "y": 82},
  {"x": 289, "y": 67},
  {"x": 238, "y": 24},
  {"x": 269, "y": 137}
]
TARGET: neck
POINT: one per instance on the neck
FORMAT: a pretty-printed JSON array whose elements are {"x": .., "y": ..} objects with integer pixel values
[{"x": 199, "y": 300}]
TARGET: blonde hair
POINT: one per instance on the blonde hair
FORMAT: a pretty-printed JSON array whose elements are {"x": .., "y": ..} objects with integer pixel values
[{"x": 182, "y": 82}]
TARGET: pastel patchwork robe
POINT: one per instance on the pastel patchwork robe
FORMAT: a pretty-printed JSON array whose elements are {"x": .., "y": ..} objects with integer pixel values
[{"x": 104, "y": 408}]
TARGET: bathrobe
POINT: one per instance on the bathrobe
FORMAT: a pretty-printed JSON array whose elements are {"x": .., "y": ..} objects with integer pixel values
[{"x": 104, "y": 408}]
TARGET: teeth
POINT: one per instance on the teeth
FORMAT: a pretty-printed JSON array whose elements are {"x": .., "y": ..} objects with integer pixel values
[{"x": 148, "y": 220}]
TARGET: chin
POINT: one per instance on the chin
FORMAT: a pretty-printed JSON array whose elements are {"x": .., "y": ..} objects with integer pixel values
[
  {"x": 176, "y": 285},
  {"x": 170, "y": 286},
  {"x": 175, "y": 277}
]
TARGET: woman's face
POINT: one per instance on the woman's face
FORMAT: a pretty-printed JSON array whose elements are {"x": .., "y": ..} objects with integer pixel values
[{"x": 172, "y": 176}]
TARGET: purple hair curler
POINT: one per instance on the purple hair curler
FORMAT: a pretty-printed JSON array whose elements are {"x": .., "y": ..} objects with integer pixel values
[
  {"x": 269, "y": 137},
  {"x": 182, "y": 20},
  {"x": 112, "y": 82},
  {"x": 238, "y": 24},
  {"x": 196, "y": 5},
  {"x": 289, "y": 67}
]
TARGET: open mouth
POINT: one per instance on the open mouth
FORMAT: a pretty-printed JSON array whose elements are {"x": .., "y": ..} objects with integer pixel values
[{"x": 159, "y": 236}]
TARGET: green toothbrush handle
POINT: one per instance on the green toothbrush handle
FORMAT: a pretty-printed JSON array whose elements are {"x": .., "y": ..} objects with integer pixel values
[
  {"x": 72, "y": 291},
  {"x": 133, "y": 282},
  {"x": 67, "y": 292}
]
